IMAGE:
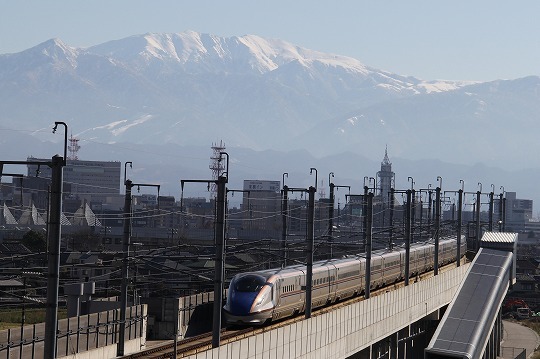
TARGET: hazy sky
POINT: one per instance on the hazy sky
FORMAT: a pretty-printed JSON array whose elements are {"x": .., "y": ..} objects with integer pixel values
[{"x": 456, "y": 40}]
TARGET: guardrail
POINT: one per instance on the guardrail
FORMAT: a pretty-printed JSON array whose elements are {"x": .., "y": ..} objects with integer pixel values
[{"x": 75, "y": 334}]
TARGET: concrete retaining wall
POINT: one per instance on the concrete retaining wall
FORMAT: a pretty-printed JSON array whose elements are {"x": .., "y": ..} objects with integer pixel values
[
  {"x": 346, "y": 331},
  {"x": 130, "y": 346}
]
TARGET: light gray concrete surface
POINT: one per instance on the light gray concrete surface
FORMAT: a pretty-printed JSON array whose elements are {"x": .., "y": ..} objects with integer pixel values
[
  {"x": 516, "y": 335},
  {"x": 345, "y": 331}
]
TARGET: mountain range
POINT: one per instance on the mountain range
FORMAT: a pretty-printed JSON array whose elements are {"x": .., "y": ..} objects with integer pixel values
[{"x": 265, "y": 98}]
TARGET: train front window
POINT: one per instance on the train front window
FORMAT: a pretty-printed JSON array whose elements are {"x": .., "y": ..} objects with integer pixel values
[{"x": 249, "y": 283}]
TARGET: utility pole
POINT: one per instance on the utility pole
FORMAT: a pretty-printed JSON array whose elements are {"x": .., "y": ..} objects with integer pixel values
[
  {"x": 391, "y": 220},
  {"x": 126, "y": 244},
  {"x": 407, "y": 236},
  {"x": 57, "y": 164},
  {"x": 501, "y": 218},
  {"x": 331, "y": 217},
  {"x": 219, "y": 234},
  {"x": 437, "y": 229},
  {"x": 459, "y": 223},
  {"x": 504, "y": 214},
  {"x": 218, "y": 273},
  {"x": 490, "y": 226},
  {"x": 364, "y": 215},
  {"x": 125, "y": 251},
  {"x": 310, "y": 242},
  {"x": 429, "y": 211},
  {"x": 284, "y": 215},
  {"x": 369, "y": 239},
  {"x": 477, "y": 210},
  {"x": 54, "y": 229}
]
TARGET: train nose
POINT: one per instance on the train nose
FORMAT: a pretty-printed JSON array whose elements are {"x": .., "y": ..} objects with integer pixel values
[{"x": 241, "y": 302}]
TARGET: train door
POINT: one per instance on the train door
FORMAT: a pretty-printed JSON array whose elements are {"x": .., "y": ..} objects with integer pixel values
[
  {"x": 276, "y": 292},
  {"x": 332, "y": 288},
  {"x": 362, "y": 277},
  {"x": 377, "y": 270},
  {"x": 302, "y": 291}
]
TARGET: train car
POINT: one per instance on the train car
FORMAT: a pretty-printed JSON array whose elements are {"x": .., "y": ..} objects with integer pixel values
[{"x": 255, "y": 298}]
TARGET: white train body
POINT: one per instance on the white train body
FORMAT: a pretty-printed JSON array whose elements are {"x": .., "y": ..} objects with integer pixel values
[{"x": 258, "y": 297}]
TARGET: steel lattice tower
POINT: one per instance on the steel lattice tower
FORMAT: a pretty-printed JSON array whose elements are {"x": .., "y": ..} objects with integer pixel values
[
  {"x": 216, "y": 165},
  {"x": 73, "y": 148}
]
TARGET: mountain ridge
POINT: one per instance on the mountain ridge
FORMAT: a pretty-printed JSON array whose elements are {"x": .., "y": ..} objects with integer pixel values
[{"x": 189, "y": 89}]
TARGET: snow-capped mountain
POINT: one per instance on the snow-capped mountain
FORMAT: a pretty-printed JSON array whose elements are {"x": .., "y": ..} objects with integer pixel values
[{"x": 193, "y": 89}]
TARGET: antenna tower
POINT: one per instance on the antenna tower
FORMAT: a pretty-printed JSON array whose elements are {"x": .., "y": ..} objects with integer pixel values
[
  {"x": 73, "y": 148},
  {"x": 216, "y": 165}
]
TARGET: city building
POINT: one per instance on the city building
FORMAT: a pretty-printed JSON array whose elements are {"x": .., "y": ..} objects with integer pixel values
[
  {"x": 261, "y": 201},
  {"x": 92, "y": 180},
  {"x": 518, "y": 212}
]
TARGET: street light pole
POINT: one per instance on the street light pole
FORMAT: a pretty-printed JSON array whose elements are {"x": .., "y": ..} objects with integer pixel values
[
  {"x": 120, "y": 348},
  {"x": 369, "y": 240},
  {"x": 477, "y": 210},
  {"x": 490, "y": 215},
  {"x": 218, "y": 273},
  {"x": 53, "y": 241},
  {"x": 437, "y": 229},
  {"x": 330, "y": 213},
  {"x": 501, "y": 209},
  {"x": 459, "y": 220},
  {"x": 125, "y": 250},
  {"x": 284, "y": 215},
  {"x": 219, "y": 234},
  {"x": 310, "y": 244},
  {"x": 408, "y": 236}
]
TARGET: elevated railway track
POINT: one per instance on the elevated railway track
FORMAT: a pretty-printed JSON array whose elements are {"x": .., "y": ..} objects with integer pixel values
[{"x": 203, "y": 342}]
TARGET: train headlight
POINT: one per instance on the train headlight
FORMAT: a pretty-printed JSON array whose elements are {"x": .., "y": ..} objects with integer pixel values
[{"x": 261, "y": 298}]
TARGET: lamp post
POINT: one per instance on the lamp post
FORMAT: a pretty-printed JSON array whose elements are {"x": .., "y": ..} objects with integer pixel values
[
  {"x": 219, "y": 237},
  {"x": 437, "y": 225},
  {"x": 284, "y": 215},
  {"x": 54, "y": 235},
  {"x": 490, "y": 214},
  {"x": 501, "y": 210},
  {"x": 310, "y": 241},
  {"x": 330, "y": 212},
  {"x": 459, "y": 220},
  {"x": 125, "y": 257}
]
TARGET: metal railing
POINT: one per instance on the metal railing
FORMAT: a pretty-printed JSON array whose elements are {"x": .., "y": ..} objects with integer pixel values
[{"x": 75, "y": 334}]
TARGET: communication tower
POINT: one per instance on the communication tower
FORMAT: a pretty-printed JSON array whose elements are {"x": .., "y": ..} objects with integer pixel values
[
  {"x": 216, "y": 165},
  {"x": 73, "y": 148}
]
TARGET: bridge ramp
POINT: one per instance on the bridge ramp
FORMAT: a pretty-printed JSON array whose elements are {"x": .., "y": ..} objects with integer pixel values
[{"x": 467, "y": 326}]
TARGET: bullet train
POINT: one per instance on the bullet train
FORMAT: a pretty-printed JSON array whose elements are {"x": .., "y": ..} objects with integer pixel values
[{"x": 255, "y": 298}]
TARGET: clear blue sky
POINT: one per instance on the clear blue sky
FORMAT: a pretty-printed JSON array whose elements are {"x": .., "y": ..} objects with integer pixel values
[{"x": 456, "y": 40}]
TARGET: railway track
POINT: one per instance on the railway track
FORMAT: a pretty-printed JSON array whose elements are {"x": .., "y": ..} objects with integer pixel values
[{"x": 203, "y": 342}]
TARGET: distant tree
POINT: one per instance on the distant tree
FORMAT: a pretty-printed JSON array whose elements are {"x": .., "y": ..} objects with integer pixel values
[{"x": 35, "y": 241}]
